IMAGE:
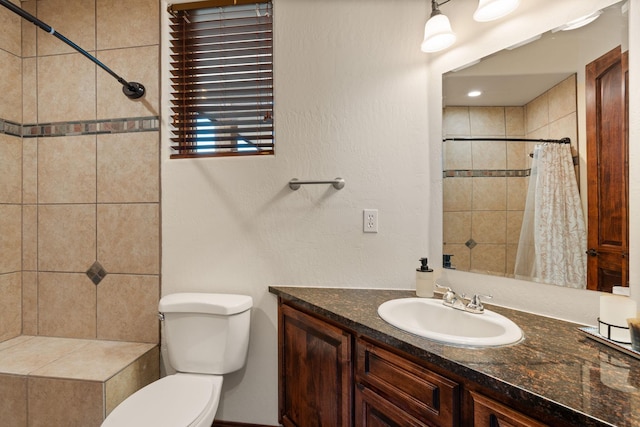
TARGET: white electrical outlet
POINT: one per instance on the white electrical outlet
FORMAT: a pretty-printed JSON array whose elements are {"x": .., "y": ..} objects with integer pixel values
[{"x": 370, "y": 221}]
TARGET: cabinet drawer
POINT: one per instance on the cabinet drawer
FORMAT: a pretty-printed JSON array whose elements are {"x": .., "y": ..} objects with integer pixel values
[
  {"x": 489, "y": 413},
  {"x": 372, "y": 410},
  {"x": 420, "y": 392}
]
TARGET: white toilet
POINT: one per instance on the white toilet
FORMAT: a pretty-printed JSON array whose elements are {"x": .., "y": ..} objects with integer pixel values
[{"x": 207, "y": 336}]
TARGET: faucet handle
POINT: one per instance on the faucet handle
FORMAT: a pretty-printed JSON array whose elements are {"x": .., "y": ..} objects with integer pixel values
[
  {"x": 449, "y": 297},
  {"x": 448, "y": 289},
  {"x": 475, "y": 304}
]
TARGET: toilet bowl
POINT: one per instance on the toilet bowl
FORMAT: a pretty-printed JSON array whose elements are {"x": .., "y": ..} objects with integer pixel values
[
  {"x": 207, "y": 335},
  {"x": 178, "y": 400}
]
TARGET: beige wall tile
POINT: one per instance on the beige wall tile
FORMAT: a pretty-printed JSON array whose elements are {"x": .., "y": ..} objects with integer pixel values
[
  {"x": 457, "y": 155},
  {"x": 11, "y": 31},
  {"x": 29, "y": 303},
  {"x": 110, "y": 23},
  {"x": 56, "y": 402},
  {"x": 10, "y": 238},
  {"x": 128, "y": 238},
  {"x": 514, "y": 121},
  {"x": 136, "y": 320},
  {"x": 457, "y": 194},
  {"x": 75, "y": 19},
  {"x": 517, "y": 155},
  {"x": 66, "y": 237},
  {"x": 29, "y": 91},
  {"x": 489, "y": 194},
  {"x": 514, "y": 224},
  {"x": 140, "y": 65},
  {"x": 13, "y": 405},
  {"x": 537, "y": 113},
  {"x": 489, "y": 155},
  {"x": 10, "y": 169},
  {"x": 510, "y": 267},
  {"x": 456, "y": 227},
  {"x": 487, "y": 121},
  {"x": 517, "y": 192},
  {"x": 29, "y": 30},
  {"x": 461, "y": 256},
  {"x": 10, "y": 87},
  {"x": 566, "y": 126},
  {"x": 10, "y": 306},
  {"x": 29, "y": 170},
  {"x": 66, "y": 88},
  {"x": 562, "y": 98},
  {"x": 129, "y": 167},
  {"x": 455, "y": 121},
  {"x": 66, "y": 305},
  {"x": 540, "y": 133},
  {"x": 142, "y": 372},
  {"x": 67, "y": 169},
  {"x": 30, "y": 237},
  {"x": 489, "y": 258},
  {"x": 489, "y": 227}
]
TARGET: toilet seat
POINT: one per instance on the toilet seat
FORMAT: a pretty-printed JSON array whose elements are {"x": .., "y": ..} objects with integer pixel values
[{"x": 180, "y": 400}]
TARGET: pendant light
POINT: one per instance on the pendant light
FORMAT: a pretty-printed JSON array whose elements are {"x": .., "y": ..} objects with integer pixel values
[
  {"x": 438, "y": 34},
  {"x": 489, "y": 10}
]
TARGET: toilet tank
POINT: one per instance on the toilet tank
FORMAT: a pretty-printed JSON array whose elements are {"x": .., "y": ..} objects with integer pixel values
[{"x": 206, "y": 333}]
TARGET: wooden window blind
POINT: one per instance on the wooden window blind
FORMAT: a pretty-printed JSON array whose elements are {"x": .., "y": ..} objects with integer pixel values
[{"x": 221, "y": 78}]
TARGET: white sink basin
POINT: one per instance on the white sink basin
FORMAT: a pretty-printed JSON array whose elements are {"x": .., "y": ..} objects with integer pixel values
[{"x": 428, "y": 318}]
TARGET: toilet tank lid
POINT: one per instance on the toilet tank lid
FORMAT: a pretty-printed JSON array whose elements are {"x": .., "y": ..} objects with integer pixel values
[{"x": 194, "y": 302}]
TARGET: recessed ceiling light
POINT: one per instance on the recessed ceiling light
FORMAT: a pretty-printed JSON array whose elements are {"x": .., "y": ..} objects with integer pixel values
[{"x": 474, "y": 93}]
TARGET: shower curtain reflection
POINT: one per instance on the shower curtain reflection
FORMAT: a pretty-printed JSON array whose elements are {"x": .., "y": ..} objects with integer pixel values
[{"x": 553, "y": 237}]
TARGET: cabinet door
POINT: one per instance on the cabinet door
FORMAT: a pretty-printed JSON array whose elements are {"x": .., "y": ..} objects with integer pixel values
[
  {"x": 315, "y": 371},
  {"x": 489, "y": 413},
  {"x": 425, "y": 395},
  {"x": 372, "y": 410}
]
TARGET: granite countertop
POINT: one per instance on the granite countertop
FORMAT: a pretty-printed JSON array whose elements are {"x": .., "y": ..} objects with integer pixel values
[{"x": 556, "y": 368}]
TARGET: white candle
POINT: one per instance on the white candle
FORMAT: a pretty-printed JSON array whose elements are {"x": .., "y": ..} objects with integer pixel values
[{"x": 615, "y": 310}]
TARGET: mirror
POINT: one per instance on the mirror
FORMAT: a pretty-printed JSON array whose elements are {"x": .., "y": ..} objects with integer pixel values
[{"x": 535, "y": 90}]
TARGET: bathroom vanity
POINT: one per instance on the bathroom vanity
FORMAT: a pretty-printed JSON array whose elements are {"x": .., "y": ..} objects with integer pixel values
[{"x": 340, "y": 364}]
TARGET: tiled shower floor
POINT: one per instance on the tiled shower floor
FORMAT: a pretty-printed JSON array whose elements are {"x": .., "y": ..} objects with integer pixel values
[{"x": 48, "y": 381}]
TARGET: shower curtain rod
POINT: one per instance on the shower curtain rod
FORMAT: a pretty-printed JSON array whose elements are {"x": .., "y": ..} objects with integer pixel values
[
  {"x": 132, "y": 90},
  {"x": 565, "y": 140}
]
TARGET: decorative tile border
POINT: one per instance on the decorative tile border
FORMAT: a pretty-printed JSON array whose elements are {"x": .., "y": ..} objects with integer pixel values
[
  {"x": 86, "y": 127},
  {"x": 10, "y": 128},
  {"x": 486, "y": 173}
]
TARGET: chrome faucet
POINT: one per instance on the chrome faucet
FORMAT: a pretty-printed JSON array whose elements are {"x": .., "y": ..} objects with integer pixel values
[{"x": 460, "y": 302}]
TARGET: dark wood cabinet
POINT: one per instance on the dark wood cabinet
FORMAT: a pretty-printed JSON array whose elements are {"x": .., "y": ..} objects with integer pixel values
[
  {"x": 316, "y": 374},
  {"x": 489, "y": 413},
  {"x": 429, "y": 398},
  {"x": 330, "y": 376},
  {"x": 373, "y": 410}
]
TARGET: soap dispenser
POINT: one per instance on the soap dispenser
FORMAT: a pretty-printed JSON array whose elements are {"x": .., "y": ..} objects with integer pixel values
[{"x": 424, "y": 279}]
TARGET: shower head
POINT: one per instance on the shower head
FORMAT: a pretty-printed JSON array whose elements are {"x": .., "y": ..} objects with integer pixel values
[{"x": 133, "y": 90}]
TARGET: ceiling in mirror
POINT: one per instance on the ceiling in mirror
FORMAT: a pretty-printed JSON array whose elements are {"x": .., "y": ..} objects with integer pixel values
[
  {"x": 512, "y": 82},
  {"x": 518, "y": 74}
]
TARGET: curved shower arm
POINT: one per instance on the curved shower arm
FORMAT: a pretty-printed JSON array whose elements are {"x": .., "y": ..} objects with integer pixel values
[{"x": 132, "y": 90}]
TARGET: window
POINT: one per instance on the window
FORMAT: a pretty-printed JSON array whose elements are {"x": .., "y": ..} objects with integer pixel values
[{"x": 221, "y": 78}]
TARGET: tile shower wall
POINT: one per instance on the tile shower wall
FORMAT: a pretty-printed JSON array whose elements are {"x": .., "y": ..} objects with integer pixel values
[
  {"x": 79, "y": 200},
  {"x": 486, "y": 182},
  {"x": 10, "y": 177}
]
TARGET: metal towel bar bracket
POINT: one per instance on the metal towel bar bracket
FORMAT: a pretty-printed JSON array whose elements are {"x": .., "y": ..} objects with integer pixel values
[{"x": 337, "y": 183}]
